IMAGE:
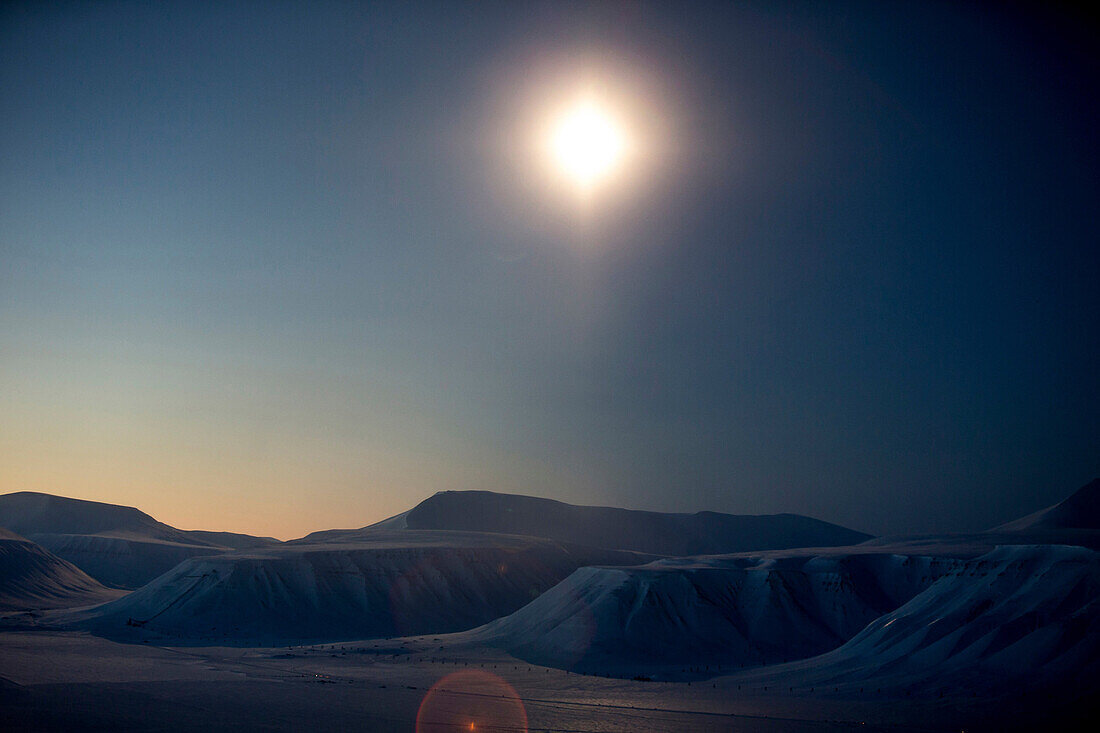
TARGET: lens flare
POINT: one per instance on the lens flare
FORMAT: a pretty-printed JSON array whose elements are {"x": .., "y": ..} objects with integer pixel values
[{"x": 471, "y": 700}]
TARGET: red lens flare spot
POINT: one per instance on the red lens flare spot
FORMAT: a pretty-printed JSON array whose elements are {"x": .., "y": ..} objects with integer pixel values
[{"x": 471, "y": 700}]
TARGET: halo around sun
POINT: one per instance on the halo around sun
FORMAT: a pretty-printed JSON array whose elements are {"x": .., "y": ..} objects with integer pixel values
[
  {"x": 587, "y": 139},
  {"x": 587, "y": 143}
]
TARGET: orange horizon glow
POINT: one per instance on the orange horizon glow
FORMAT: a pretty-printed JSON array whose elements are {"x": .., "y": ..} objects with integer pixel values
[{"x": 303, "y": 487}]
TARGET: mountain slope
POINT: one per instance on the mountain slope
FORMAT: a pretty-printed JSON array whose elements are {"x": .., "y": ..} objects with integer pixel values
[
  {"x": 29, "y": 512},
  {"x": 1081, "y": 510},
  {"x": 396, "y": 583},
  {"x": 119, "y": 546},
  {"x": 657, "y": 533},
  {"x": 729, "y": 611},
  {"x": 1029, "y": 614},
  {"x": 31, "y": 577}
]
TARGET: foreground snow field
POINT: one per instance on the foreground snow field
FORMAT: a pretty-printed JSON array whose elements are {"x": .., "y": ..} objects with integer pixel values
[
  {"x": 53, "y": 680},
  {"x": 57, "y": 679}
]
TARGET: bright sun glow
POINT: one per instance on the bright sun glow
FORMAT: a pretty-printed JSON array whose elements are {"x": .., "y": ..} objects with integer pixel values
[{"x": 587, "y": 143}]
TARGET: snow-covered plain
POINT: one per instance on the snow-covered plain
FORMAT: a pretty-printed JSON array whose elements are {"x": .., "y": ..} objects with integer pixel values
[{"x": 64, "y": 681}]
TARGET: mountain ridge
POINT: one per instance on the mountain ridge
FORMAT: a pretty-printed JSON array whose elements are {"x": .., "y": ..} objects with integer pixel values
[
  {"x": 1079, "y": 510},
  {"x": 658, "y": 533},
  {"x": 120, "y": 546}
]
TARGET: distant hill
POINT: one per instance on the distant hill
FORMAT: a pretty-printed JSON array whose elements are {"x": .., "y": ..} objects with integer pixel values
[
  {"x": 702, "y": 533},
  {"x": 30, "y": 512},
  {"x": 1074, "y": 521},
  {"x": 1080, "y": 511},
  {"x": 31, "y": 577},
  {"x": 119, "y": 546},
  {"x": 393, "y": 583},
  {"x": 232, "y": 540}
]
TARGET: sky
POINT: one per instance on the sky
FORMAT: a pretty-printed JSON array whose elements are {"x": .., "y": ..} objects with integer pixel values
[{"x": 281, "y": 267}]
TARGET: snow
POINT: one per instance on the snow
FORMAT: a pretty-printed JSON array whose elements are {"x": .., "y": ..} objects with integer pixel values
[
  {"x": 941, "y": 632},
  {"x": 1081, "y": 510},
  {"x": 119, "y": 546},
  {"x": 29, "y": 513},
  {"x": 733, "y": 611},
  {"x": 121, "y": 562},
  {"x": 1029, "y": 613},
  {"x": 62, "y": 681},
  {"x": 888, "y": 620},
  {"x": 389, "y": 584},
  {"x": 31, "y": 577}
]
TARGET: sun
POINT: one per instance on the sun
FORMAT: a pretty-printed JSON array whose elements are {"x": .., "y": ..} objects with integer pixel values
[{"x": 587, "y": 143}]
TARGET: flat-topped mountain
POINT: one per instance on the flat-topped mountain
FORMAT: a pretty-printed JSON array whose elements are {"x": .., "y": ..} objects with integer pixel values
[
  {"x": 720, "y": 610},
  {"x": 394, "y": 582},
  {"x": 702, "y": 533},
  {"x": 119, "y": 546}
]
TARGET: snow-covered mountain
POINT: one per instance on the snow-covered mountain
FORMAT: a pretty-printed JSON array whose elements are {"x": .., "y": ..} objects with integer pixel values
[
  {"x": 728, "y": 611},
  {"x": 391, "y": 583},
  {"x": 958, "y": 602},
  {"x": 1073, "y": 521},
  {"x": 31, "y": 577},
  {"x": 1081, "y": 510},
  {"x": 1027, "y": 614},
  {"x": 119, "y": 546},
  {"x": 702, "y": 533}
]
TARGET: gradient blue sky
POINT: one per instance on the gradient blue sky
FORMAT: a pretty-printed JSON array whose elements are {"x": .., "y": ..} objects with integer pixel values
[{"x": 276, "y": 267}]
